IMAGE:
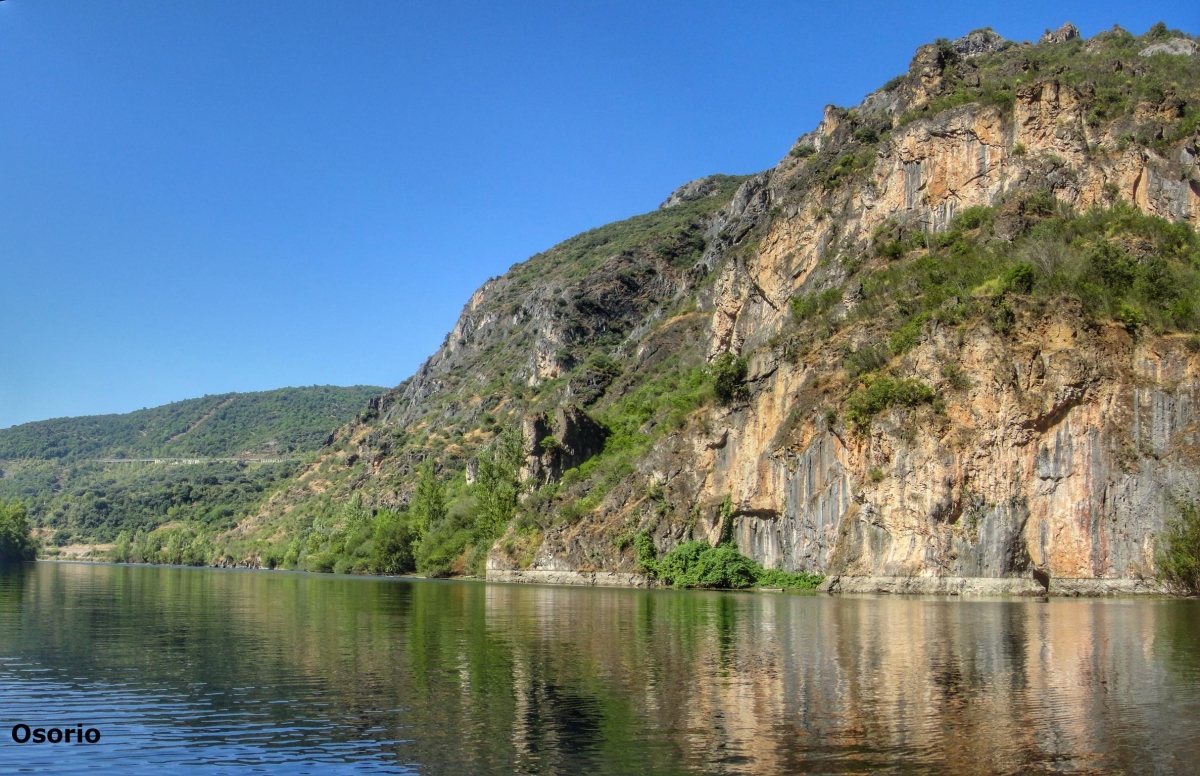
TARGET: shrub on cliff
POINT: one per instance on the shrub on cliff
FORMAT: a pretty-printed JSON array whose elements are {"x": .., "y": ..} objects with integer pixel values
[
  {"x": 882, "y": 392},
  {"x": 1179, "y": 552},
  {"x": 729, "y": 377},
  {"x": 15, "y": 542}
]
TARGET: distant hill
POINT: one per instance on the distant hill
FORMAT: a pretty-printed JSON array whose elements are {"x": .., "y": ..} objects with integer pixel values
[
  {"x": 282, "y": 422},
  {"x": 56, "y": 466}
]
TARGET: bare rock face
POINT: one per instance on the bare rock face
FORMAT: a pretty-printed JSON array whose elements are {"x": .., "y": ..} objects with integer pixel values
[
  {"x": 697, "y": 189},
  {"x": 1063, "y": 34},
  {"x": 563, "y": 442},
  {"x": 978, "y": 42},
  {"x": 1176, "y": 47},
  {"x": 1064, "y": 454}
]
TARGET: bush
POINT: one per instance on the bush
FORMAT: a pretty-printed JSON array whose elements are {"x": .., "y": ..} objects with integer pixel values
[
  {"x": 868, "y": 358},
  {"x": 908, "y": 335},
  {"x": 805, "y": 306},
  {"x": 881, "y": 393},
  {"x": 696, "y": 564},
  {"x": 392, "y": 550},
  {"x": 1179, "y": 551},
  {"x": 729, "y": 377},
  {"x": 786, "y": 579},
  {"x": 15, "y": 542},
  {"x": 1131, "y": 318},
  {"x": 1019, "y": 278}
]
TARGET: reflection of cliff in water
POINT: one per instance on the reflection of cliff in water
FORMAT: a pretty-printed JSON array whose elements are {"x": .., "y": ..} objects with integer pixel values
[{"x": 473, "y": 678}]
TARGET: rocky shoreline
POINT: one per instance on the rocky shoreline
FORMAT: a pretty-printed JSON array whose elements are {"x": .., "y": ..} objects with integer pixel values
[{"x": 967, "y": 587}]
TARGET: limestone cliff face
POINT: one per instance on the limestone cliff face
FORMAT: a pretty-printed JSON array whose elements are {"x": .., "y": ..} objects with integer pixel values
[
  {"x": 1058, "y": 440},
  {"x": 1066, "y": 451}
]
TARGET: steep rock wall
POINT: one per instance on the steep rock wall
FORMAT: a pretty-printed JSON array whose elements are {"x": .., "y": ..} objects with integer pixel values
[{"x": 1068, "y": 450}]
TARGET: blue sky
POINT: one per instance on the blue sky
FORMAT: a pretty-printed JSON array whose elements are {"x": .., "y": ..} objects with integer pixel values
[{"x": 219, "y": 195}]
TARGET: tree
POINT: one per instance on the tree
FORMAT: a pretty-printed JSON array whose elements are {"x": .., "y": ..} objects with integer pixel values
[
  {"x": 729, "y": 377},
  {"x": 429, "y": 501},
  {"x": 15, "y": 542},
  {"x": 1179, "y": 553},
  {"x": 393, "y": 545},
  {"x": 498, "y": 484}
]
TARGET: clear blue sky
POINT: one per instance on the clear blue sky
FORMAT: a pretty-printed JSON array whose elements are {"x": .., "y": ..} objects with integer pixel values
[{"x": 217, "y": 195}]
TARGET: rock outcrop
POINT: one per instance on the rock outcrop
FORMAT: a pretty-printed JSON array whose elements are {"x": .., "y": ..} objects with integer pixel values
[{"x": 1058, "y": 440}]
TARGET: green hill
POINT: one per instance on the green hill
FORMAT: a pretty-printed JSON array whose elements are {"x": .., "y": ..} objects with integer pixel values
[
  {"x": 282, "y": 422},
  {"x": 58, "y": 467}
]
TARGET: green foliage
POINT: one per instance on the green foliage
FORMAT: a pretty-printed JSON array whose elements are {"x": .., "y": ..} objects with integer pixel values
[
  {"x": 15, "y": 542},
  {"x": 866, "y": 359},
  {"x": 96, "y": 502},
  {"x": 392, "y": 543},
  {"x": 729, "y": 377},
  {"x": 429, "y": 500},
  {"x": 967, "y": 273},
  {"x": 498, "y": 485},
  {"x": 805, "y": 306},
  {"x": 974, "y": 218},
  {"x": 696, "y": 564},
  {"x": 176, "y": 546},
  {"x": 725, "y": 511},
  {"x": 881, "y": 393},
  {"x": 1179, "y": 551},
  {"x": 1110, "y": 92},
  {"x": 788, "y": 580},
  {"x": 283, "y": 422},
  {"x": 575, "y": 258},
  {"x": 849, "y": 164},
  {"x": 647, "y": 555},
  {"x": 908, "y": 335},
  {"x": 1019, "y": 278}
]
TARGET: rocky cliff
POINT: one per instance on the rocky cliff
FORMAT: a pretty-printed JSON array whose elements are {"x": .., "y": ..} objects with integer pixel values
[{"x": 962, "y": 312}]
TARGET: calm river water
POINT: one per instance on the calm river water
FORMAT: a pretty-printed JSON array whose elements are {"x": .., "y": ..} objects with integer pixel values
[{"x": 204, "y": 671}]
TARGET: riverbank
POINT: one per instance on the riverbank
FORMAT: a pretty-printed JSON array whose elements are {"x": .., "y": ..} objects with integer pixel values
[
  {"x": 955, "y": 586},
  {"x": 966, "y": 587}
]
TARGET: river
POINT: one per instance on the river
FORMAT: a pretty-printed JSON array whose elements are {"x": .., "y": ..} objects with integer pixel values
[{"x": 205, "y": 671}]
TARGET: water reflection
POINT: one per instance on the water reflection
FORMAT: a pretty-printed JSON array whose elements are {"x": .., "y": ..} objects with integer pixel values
[{"x": 227, "y": 670}]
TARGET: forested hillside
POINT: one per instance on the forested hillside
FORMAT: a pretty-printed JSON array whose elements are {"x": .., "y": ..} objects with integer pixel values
[
  {"x": 268, "y": 423},
  {"x": 58, "y": 468}
]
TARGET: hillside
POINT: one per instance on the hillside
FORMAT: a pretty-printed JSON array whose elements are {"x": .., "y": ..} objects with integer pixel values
[
  {"x": 267, "y": 423},
  {"x": 58, "y": 467},
  {"x": 951, "y": 334}
]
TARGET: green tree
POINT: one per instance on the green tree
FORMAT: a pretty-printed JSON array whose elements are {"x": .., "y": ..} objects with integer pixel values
[
  {"x": 729, "y": 377},
  {"x": 121, "y": 549},
  {"x": 1179, "y": 552},
  {"x": 429, "y": 501},
  {"x": 392, "y": 552},
  {"x": 498, "y": 484},
  {"x": 15, "y": 542}
]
